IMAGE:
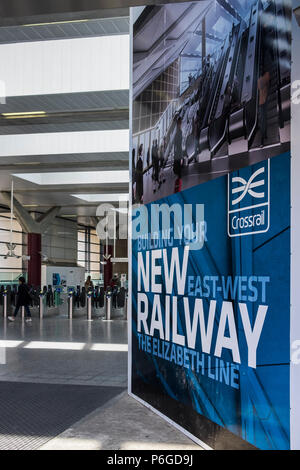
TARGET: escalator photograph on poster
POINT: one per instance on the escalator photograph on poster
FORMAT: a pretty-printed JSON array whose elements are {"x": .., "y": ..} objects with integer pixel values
[{"x": 211, "y": 91}]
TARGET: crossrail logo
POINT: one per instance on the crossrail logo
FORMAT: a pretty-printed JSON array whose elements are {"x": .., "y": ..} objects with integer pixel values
[{"x": 249, "y": 200}]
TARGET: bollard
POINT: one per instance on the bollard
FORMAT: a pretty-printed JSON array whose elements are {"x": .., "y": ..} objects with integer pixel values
[
  {"x": 89, "y": 306},
  {"x": 5, "y": 303},
  {"x": 41, "y": 305},
  {"x": 23, "y": 312},
  {"x": 70, "y": 304},
  {"x": 108, "y": 308}
]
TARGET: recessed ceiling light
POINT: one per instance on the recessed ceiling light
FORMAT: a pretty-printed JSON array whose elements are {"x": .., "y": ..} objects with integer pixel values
[
  {"x": 76, "y": 177},
  {"x": 56, "y": 22},
  {"x": 102, "y": 197},
  {"x": 24, "y": 115},
  {"x": 26, "y": 163}
]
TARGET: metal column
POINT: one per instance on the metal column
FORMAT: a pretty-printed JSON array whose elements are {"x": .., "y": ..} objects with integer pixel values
[
  {"x": 89, "y": 306},
  {"x": 41, "y": 306},
  {"x": 70, "y": 304},
  {"x": 108, "y": 307},
  {"x": 5, "y": 304}
]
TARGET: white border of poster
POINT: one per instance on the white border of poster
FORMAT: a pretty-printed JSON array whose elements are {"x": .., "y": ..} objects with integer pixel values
[{"x": 295, "y": 248}]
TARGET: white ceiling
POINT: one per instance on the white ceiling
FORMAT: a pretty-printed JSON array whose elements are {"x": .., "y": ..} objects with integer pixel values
[{"x": 57, "y": 86}]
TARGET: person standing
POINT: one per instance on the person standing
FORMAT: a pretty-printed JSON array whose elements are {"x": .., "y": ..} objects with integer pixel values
[
  {"x": 23, "y": 300},
  {"x": 140, "y": 175},
  {"x": 263, "y": 89},
  {"x": 148, "y": 158},
  {"x": 155, "y": 161},
  {"x": 89, "y": 284}
]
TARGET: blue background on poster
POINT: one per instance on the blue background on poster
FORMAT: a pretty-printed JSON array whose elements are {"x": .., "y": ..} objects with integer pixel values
[{"x": 258, "y": 411}]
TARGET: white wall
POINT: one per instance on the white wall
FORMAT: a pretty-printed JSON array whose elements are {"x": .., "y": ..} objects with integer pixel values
[
  {"x": 65, "y": 66},
  {"x": 64, "y": 143},
  {"x": 73, "y": 276}
]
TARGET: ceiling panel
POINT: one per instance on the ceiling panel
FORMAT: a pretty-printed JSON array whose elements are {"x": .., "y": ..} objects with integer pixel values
[
  {"x": 117, "y": 159},
  {"x": 64, "y": 30},
  {"x": 83, "y": 101},
  {"x": 66, "y": 127}
]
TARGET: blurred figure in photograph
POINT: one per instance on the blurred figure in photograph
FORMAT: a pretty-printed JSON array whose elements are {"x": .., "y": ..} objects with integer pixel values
[
  {"x": 263, "y": 85},
  {"x": 227, "y": 106},
  {"x": 178, "y": 149},
  {"x": 155, "y": 162},
  {"x": 139, "y": 175},
  {"x": 162, "y": 149},
  {"x": 133, "y": 163},
  {"x": 227, "y": 100},
  {"x": 161, "y": 155},
  {"x": 148, "y": 159},
  {"x": 235, "y": 98}
]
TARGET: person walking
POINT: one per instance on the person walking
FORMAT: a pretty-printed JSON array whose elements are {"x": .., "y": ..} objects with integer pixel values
[{"x": 23, "y": 300}]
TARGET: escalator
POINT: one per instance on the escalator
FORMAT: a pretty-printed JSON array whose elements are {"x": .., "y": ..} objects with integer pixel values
[
  {"x": 244, "y": 119},
  {"x": 218, "y": 127},
  {"x": 269, "y": 63},
  {"x": 209, "y": 105},
  {"x": 283, "y": 19},
  {"x": 268, "y": 50}
]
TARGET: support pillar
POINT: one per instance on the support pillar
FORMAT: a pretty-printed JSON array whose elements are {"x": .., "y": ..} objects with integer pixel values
[{"x": 34, "y": 247}]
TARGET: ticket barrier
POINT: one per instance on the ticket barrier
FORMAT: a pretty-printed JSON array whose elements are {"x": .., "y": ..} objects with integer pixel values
[
  {"x": 8, "y": 301},
  {"x": 70, "y": 302},
  {"x": 5, "y": 302},
  {"x": 46, "y": 302},
  {"x": 77, "y": 302},
  {"x": 99, "y": 302},
  {"x": 119, "y": 303},
  {"x": 90, "y": 304},
  {"x": 108, "y": 309}
]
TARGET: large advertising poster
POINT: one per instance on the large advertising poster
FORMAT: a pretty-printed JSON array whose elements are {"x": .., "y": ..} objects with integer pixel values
[{"x": 210, "y": 343}]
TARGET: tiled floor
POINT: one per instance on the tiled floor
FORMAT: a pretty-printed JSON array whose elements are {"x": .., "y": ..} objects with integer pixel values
[
  {"x": 57, "y": 350},
  {"x": 78, "y": 352}
]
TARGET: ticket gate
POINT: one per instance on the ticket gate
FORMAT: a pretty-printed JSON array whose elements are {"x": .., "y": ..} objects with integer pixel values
[
  {"x": 94, "y": 303},
  {"x": 48, "y": 301},
  {"x": 90, "y": 304},
  {"x": 44, "y": 302},
  {"x": 108, "y": 306}
]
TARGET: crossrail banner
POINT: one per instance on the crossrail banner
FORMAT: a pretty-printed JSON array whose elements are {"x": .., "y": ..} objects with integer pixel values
[{"x": 213, "y": 337}]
